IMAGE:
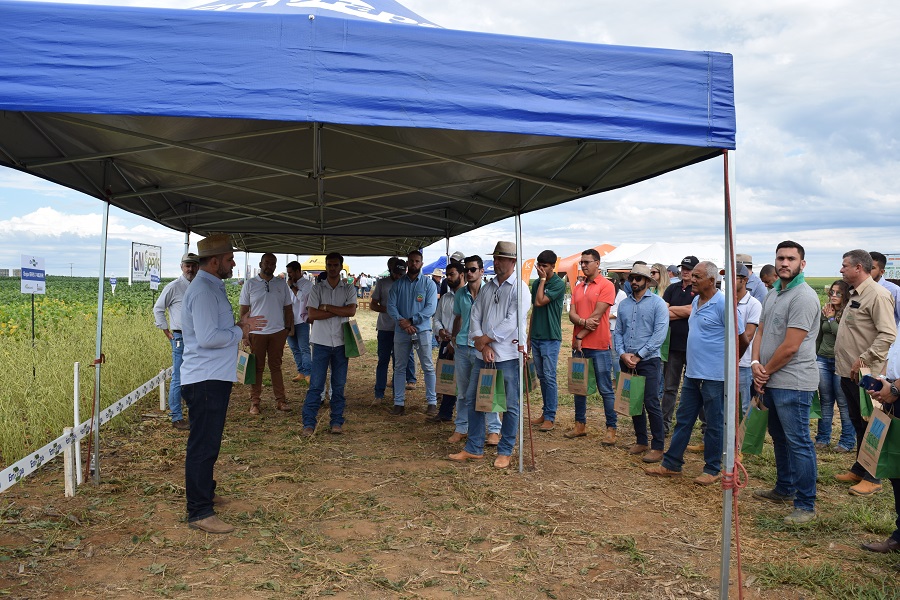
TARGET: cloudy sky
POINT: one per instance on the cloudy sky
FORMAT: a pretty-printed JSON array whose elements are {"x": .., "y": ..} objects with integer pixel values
[{"x": 817, "y": 121}]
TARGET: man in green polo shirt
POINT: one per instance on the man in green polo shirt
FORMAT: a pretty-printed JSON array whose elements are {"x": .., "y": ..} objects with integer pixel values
[{"x": 545, "y": 333}]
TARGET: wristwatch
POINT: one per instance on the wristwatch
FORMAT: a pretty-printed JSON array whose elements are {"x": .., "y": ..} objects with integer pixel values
[{"x": 894, "y": 390}]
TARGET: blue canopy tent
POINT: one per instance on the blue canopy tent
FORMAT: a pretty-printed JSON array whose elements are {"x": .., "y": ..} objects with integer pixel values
[
  {"x": 352, "y": 127},
  {"x": 440, "y": 263}
]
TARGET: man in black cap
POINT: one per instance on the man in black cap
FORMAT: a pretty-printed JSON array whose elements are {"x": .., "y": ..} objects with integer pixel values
[{"x": 678, "y": 296}]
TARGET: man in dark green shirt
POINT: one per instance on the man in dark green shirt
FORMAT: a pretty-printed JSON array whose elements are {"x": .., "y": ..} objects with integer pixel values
[{"x": 545, "y": 332}]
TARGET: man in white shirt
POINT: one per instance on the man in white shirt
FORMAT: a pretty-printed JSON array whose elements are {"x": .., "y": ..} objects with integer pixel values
[
  {"x": 299, "y": 341},
  {"x": 497, "y": 329},
  {"x": 331, "y": 304},
  {"x": 170, "y": 299},
  {"x": 749, "y": 310},
  {"x": 268, "y": 296}
]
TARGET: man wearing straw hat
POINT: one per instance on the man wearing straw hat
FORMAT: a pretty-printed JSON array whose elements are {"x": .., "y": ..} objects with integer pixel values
[
  {"x": 211, "y": 339},
  {"x": 497, "y": 330},
  {"x": 170, "y": 299}
]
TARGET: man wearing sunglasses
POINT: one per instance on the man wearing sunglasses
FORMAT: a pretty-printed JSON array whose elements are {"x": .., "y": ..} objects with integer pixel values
[
  {"x": 591, "y": 339},
  {"x": 497, "y": 330},
  {"x": 641, "y": 326},
  {"x": 268, "y": 296},
  {"x": 464, "y": 354}
]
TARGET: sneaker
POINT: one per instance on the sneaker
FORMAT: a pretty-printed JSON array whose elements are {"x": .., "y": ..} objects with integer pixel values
[
  {"x": 706, "y": 479},
  {"x": 800, "y": 516},
  {"x": 398, "y": 410},
  {"x": 841, "y": 450},
  {"x": 773, "y": 496},
  {"x": 865, "y": 488},
  {"x": 181, "y": 425},
  {"x": 696, "y": 447},
  {"x": 431, "y": 410},
  {"x": 848, "y": 477}
]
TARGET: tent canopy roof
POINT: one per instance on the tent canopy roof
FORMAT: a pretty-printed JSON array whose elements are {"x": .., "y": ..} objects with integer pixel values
[{"x": 299, "y": 132}]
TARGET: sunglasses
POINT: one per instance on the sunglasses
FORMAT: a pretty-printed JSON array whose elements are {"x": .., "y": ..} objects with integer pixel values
[
  {"x": 267, "y": 285},
  {"x": 587, "y": 262},
  {"x": 635, "y": 278},
  {"x": 654, "y": 272},
  {"x": 834, "y": 293},
  {"x": 473, "y": 269}
]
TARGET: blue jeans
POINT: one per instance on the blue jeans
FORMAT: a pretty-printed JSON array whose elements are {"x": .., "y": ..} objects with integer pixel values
[
  {"x": 614, "y": 361},
  {"x": 602, "y": 376},
  {"x": 745, "y": 393},
  {"x": 402, "y": 347},
  {"x": 385, "y": 354},
  {"x": 649, "y": 368},
  {"x": 695, "y": 394},
  {"x": 510, "y": 370},
  {"x": 322, "y": 358},
  {"x": 795, "y": 455},
  {"x": 299, "y": 345},
  {"x": 830, "y": 392},
  {"x": 208, "y": 403},
  {"x": 177, "y": 343},
  {"x": 466, "y": 371},
  {"x": 546, "y": 358}
]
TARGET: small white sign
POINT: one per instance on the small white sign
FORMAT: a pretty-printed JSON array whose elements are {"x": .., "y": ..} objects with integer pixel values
[
  {"x": 154, "y": 278},
  {"x": 33, "y": 275},
  {"x": 112, "y": 283}
]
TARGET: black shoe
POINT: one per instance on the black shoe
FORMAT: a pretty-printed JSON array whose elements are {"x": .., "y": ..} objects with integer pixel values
[
  {"x": 398, "y": 410},
  {"x": 181, "y": 425},
  {"x": 431, "y": 410},
  {"x": 772, "y": 496}
]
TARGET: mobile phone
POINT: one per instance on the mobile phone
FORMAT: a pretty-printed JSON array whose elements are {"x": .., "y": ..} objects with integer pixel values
[{"x": 870, "y": 383}]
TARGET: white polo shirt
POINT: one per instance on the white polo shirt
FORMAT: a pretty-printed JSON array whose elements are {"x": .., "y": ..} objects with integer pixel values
[
  {"x": 328, "y": 332},
  {"x": 268, "y": 299}
]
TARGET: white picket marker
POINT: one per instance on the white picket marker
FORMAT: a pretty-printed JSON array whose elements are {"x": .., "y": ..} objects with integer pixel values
[
  {"x": 69, "y": 465},
  {"x": 79, "y": 476},
  {"x": 162, "y": 390}
]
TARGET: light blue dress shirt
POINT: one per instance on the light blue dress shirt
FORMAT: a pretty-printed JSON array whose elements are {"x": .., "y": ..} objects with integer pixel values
[
  {"x": 641, "y": 326},
  {"x": 210, "y": 336},
  {"x": 413, "y": 299}
]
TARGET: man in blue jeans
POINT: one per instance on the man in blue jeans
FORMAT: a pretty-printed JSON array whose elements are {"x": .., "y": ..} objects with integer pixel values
[
  {"x": 591, "y": 338},
  {"x": 331, "y": 304},
  {"x": 411, "y": 304},
  {"x": 704, "y": 380},
  {"x": 384, "y": 328},
  {"x": 208, "y": 372},
  {"x": 497, "y": 329},
  {"x": 641, "y": 327},
  {"x": 170, "y": 300},
  {"x": 545, "y": 333},
  {"x": 300, "y": 288},
  {"x": 785, "y": 372}
]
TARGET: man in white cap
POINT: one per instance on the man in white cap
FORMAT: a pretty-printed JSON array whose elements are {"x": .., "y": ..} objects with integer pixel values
[
  {"x": 268, "y": 296},
  {"x": 170, "y": 300},
  {"x": 498, "y": 332},
  {"x": 209, "y": 370}
]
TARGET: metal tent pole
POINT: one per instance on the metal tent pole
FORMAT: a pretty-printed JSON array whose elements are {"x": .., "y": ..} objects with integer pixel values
[
  {"x": 187, "y": 242},
  {"x": 519, "y": 318},
  {"x": 731, "y": 387},
  {"x": 98, "y": 353}
]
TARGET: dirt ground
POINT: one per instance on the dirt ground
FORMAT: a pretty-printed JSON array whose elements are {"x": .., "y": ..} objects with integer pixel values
[{"x": 380, "y": 513}]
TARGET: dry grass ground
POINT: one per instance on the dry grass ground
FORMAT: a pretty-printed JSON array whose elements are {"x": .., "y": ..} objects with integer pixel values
[{"x": 380, "y": 513}]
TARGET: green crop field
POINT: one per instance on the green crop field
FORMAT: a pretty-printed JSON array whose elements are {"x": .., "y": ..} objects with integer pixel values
[{"x": 35, "y": 408}]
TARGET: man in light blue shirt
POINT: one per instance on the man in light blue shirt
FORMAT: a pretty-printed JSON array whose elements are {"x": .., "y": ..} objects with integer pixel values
[
  {"x": 879, "y": 262},
  {"x": 411, "y": 303},
  {"x": 209, "y": 370},
  {"x": 641, "y": 326},
  {"x": 704, "y": 379}
]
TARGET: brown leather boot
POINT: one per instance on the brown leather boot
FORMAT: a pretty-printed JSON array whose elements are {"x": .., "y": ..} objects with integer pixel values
[
  {"x": 610, "y": 438},
  {"x": 254, "y": 408},
  {"x": 538, "y": 421},
  {"x": 580, "y": 430}
]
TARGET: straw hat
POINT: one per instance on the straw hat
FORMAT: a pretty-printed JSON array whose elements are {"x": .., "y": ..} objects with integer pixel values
[
  {"x": 214, "y": 245},
  {"x": 642, "y": 270},
  {"x": 504, "y": 250}
]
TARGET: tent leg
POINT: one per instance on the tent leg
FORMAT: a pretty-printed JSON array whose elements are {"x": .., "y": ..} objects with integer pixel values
[
  {"x": 98, "y": 354},
  {"x": 187, "y": 241},
  {"x": 522, "y": 342},
  {"x": 731, "y": 400}
]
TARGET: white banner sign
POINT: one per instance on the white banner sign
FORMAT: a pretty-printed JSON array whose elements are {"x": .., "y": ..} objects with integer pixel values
[
  {"x": 143, "y": 259},
  {"x": 892, "y": 268},
  {"x": 33, "y": 275},
  {"x": 154, "y": 279}
]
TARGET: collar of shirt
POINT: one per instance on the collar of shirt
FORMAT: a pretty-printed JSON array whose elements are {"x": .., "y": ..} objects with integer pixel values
[
  {"x": 779, "y": 287},
  {"x": 212, "y": 279}
]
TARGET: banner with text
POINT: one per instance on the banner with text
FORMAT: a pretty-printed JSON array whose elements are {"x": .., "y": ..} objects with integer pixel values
[{"x": 143, "y": 260}]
